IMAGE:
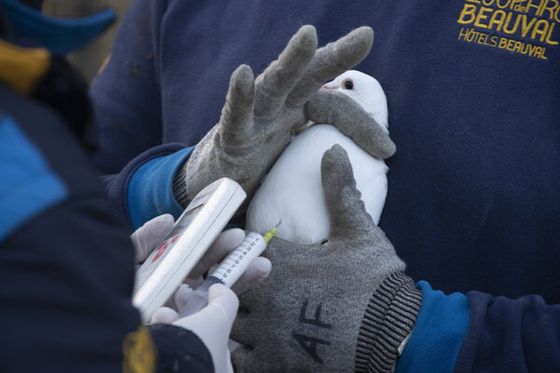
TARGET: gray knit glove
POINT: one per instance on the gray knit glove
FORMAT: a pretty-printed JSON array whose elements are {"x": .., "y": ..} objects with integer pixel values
[
  {"x": 259, "y": 115},
  {"x": 341, "y": 306}
]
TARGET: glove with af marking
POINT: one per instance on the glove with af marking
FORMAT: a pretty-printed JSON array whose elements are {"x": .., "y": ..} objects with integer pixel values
[
  {"x": 260, "y": 114},
  {"x": 341, "y": 306}
]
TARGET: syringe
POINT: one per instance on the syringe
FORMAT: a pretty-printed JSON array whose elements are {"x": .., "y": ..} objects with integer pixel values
[{"x": 229, "y": 271}]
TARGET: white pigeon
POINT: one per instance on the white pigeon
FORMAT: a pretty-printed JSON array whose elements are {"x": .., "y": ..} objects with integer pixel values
[{"x": 292, "y": 193}]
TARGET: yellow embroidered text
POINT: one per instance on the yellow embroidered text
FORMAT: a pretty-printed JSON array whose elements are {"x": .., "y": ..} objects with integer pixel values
[{"x": 526, "y": 27}]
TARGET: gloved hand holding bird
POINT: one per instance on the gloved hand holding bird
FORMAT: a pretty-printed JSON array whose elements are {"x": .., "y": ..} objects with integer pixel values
[{"x": 292, "y": 193}]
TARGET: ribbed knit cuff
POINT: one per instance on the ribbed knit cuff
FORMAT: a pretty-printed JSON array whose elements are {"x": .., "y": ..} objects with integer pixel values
[
  {"x": 180, "y": 188},
  {"x": 389, "y": 318}
]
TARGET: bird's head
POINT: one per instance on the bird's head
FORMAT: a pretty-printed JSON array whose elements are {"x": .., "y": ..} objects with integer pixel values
[{"x": 366, "y": 91}]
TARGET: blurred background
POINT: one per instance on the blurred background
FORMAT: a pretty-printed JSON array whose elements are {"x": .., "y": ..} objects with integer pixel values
[{"x": 90, "y": 59}]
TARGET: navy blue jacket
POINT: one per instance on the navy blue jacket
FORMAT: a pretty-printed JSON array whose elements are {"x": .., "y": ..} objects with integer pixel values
[
  {"x": 66, "y": 261},
  {"x": 474, "y": 201}
]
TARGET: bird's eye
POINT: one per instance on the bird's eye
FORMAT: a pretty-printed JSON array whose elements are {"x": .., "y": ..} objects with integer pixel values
[{"x": 348, "y": 84}]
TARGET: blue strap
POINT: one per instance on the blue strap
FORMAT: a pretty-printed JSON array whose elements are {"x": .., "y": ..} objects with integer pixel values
[{"x": 28, "y": 186}]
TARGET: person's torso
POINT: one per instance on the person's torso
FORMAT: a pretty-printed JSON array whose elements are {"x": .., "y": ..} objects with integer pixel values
[{"x": 472, "y": 88}]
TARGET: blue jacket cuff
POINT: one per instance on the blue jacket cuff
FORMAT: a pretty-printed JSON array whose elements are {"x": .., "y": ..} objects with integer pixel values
[
  {"x": 439, "y": 332},
  {"x": 150, "y": 191}
]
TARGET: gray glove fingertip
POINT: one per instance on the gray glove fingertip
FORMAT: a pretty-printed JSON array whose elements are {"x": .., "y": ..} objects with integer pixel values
[
  {"x": 336, "y": 169},
  {"x": 300, "y": 49},
  {"x": 238, "y": 110},
  {"x": 346, "y": 52},
  {"x": 280, "y": 77},
  {"x": 346, "y": 209},
  {"x": 242, "y": 84},
  {"x": 359, "y": 42},
  {"x": 339, "y": 183},
  {"x": 330, "y": 61}
]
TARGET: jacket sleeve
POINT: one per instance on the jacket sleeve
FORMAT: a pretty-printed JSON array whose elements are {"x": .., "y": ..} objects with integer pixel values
[
  {"x": 67, "y": 263},
  {"x": 478, "y": 332},
  {"x": 144, "y": 189},
  {"x": 126, "y": 96}
]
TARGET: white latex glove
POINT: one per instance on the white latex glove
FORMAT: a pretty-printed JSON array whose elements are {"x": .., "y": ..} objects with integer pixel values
[
  {"x": 146, "y": 238},
  {"x": 213, "y": 323},
  {"x": 168, "y": 315}
]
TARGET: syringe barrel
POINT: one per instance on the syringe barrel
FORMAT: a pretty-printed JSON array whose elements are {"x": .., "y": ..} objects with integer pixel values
[
  {"x": 227, "y": 273},
  {"x": 237, "y": 261}
]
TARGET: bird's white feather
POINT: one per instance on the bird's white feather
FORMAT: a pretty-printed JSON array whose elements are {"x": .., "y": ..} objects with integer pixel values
[{"x": 292, "y": 191}]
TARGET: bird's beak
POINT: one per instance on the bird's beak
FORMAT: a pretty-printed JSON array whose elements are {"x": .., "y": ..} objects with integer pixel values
[{"x": 329, "y": 85}]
